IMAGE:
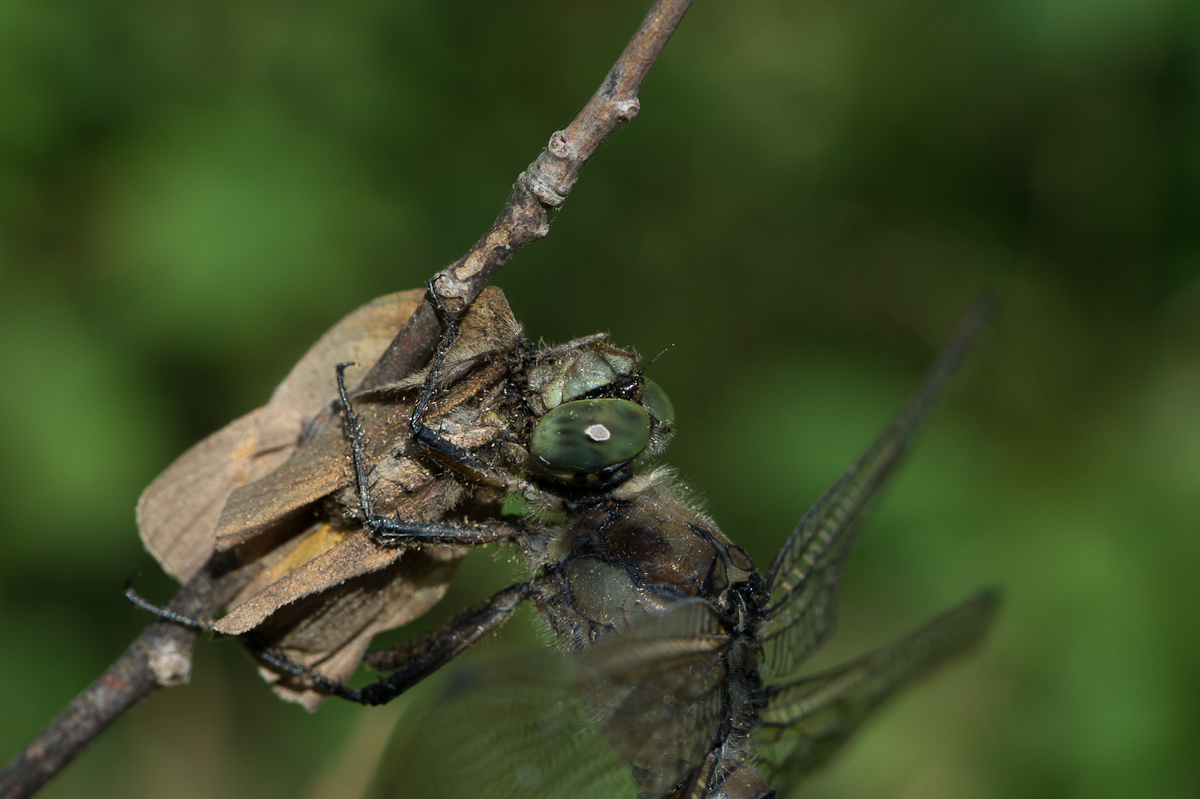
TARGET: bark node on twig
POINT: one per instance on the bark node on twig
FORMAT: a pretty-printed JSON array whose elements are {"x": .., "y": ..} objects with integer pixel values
[{"x": 159, "y": 657}]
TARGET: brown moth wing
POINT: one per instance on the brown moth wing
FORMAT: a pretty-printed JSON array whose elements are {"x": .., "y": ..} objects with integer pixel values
[
  {"x": 312, "y": 472},
  {"x": 320, "y": 589},
  {"x": 291, "y": 570},
  {"x": 319, "y": 468},
  {"x": 322, "y": 466},
  {"x": 178, "y": 512},
  {"x": 330, "y": 631},
  {"x": 322, "y": 596},
  {"x": 325, "y": 551},
  {"x": 326, "y": 556}
]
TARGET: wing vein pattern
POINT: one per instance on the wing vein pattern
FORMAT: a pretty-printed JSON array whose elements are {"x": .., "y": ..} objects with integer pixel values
[{"x": 803, "y": 580}]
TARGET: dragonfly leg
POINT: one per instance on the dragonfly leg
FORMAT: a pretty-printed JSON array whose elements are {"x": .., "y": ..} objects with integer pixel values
[
  {"x": 391, "y": 531},
  {"x": 447, "y": 450},
  {"x": 409, "y": 663},
  {"x": 422, "y": 433},
  {"x": 399, "y": 531},
  {"x": 164, "y": 614},
  {"x": 413, "y": 661}
]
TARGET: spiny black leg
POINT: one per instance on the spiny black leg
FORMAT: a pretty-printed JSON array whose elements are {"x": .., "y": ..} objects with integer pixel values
[
  {"x": 449, "y": 339},
  {"x": 164, "y": 614},
  {"x": 432, "y": 440},
  {"x": 409, "y": 663},
  {"x": 421, "y": 432},
  {"x": 434, "y": 649},
  {"x": 272, "y": 656},
  {"x": 415, "y": 660},
  {"x": 443, "y": 314},
  {"x": 314, "y": 679},
  {"x": 354, "y": 433},
  {"x": 398, "y": 532}
]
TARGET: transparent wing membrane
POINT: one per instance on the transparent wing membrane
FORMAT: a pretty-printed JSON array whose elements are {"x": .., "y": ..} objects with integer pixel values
[
  {"x": 795, "y": 628},
  {"x": 802, "y": 582},
  {"x": 665, "y": 703},
  {"x": 684, "y": 638},
  {"x": 503, "y": 726},
  {"x": 629, "y": 716},
  {"x": 806, "y": 721},
  {"x": 656, "y": 692}
]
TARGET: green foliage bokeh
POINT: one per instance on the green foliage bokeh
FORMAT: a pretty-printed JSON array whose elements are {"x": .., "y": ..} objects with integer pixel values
[{"x": 191, "y": 192}]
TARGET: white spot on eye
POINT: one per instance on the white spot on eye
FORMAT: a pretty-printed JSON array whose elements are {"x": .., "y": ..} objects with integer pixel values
[{"x": 597, "y": 432}]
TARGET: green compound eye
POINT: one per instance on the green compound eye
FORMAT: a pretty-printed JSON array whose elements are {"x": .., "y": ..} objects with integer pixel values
[
  {"x": 590, "y": 435},
  {"x": 655, "y": 400}
]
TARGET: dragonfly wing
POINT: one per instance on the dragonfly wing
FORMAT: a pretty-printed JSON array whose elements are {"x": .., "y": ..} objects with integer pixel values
[
  {"x": 503, "y": 726},
  {"x": 656, "y": 691},
  {"x": 802, "y": 582},
  {"x": 630, "y": 716},
  {"x": 806, "y": 721}
]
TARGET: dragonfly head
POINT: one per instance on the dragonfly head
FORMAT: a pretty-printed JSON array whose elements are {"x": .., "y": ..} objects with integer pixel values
[{"x": 597, "y": 414}]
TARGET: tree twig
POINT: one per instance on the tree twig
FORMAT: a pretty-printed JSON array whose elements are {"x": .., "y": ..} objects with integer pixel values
[
  {"x": 161, "y": 655},
  {"x": 539, "y": 190}
]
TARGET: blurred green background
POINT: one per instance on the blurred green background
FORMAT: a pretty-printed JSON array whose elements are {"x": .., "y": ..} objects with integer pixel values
[{"x": 191, "y": 192}]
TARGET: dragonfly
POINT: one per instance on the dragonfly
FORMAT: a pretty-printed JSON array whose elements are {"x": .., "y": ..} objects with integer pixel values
[
  {"x": 375, "y": 499},
  {"x": 684, "y": 657}
]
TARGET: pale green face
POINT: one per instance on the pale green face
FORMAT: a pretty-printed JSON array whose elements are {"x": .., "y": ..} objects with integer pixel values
[
  {"x": 580, "y": 372},
  {"x": 597, "y": 412}
]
